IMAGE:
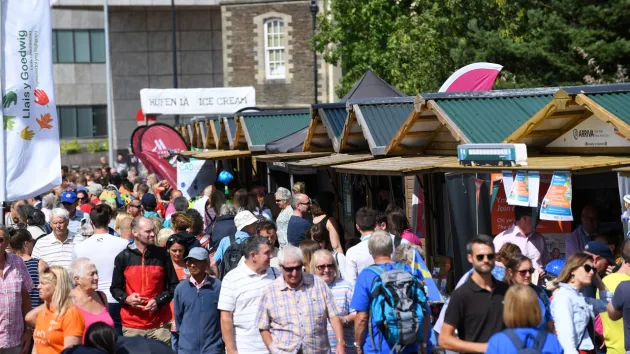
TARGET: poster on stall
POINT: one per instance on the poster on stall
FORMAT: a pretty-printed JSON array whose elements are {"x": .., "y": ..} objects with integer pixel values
[
  {"x": 502, "y": 214},
  {"x": 194, "y": 176},
  {"x": 519, "y": 194},
  {"x": 533, "y": 185},
  {"x": 557, "y": 202},
  {"x": 508, "y": 181}
]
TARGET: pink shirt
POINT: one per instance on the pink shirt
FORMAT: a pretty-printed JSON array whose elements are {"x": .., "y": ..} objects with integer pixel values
[
  {"x": 14, "y": 280},
  {"x": 91, "y": 318},
  {"x": 532, "y": 245},
  {"x": 199, "y": 285}
]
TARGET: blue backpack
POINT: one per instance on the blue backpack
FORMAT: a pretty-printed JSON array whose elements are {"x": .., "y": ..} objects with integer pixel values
[{"x": 397, "y": 306}]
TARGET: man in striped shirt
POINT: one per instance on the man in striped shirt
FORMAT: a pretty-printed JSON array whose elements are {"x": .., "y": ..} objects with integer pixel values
[
  {"x": 241, "y": 290},
  {"x": 56, "y": 248}
]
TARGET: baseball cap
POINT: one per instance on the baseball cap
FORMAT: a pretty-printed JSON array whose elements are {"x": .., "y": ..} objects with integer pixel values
[
  {"x": 149, "y": 199},
  {"x": 82, "y": 190},
  {"x": 599, "y": 249},
  {"x": 95, "y": 189},
  {"x": 243, "y": 219},
  {"x": 68, "y": 197},
  {"x": 198, "y": 253}
]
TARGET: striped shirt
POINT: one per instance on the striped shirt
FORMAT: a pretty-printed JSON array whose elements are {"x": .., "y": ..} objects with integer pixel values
[
  {"x": 13, "y": 281},
  {"x": 342, "y": 292},
  {"x": 54, "y": 252},
  {"x": 297, "y": 317},
  {"x": 33, "y": 270},
  {"x": 241, "y": 290}
]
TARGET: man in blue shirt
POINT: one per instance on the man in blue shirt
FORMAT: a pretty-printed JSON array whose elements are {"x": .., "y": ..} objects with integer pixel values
[
  {"x": 69, "y": 201},
  {"x": 381, "y": 247}
]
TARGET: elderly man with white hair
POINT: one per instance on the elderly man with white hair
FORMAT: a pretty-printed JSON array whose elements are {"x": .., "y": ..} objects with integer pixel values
[
  {"x": 283, "y": 200},
  {"x": 56, "y": 248},
  {"x": 293, "y": 310}
]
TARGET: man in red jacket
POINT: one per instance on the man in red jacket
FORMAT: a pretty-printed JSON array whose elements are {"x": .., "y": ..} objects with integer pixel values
[{"x": 144, "y": 281}]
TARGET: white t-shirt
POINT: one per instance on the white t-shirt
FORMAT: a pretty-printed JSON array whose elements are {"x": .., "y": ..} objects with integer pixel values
[
  {"x": 241, "y": 290},
  {"x": 358, "y": 257},
  {"x": 55, "y": 253},
  {"x": 101, "y": 249}
]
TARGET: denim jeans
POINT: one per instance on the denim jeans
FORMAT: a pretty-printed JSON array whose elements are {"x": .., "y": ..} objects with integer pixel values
[{"x": 114, "y": 311}]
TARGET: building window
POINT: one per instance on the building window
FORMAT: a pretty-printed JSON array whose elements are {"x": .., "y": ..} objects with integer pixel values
[
  {"x": 82, "y": 121},
  {"x": 78, "y": 46},
  {"x": 274, "y": 49}
]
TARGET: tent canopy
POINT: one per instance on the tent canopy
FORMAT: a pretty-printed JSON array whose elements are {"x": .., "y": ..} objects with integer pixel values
[{"x": 290, "y": 143}]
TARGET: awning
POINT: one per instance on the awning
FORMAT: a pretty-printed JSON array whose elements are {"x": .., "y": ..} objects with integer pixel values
[
  {"x": 187, "y": 153},
  {"x": 335, "y": 159},
  {"x": 396, "y": 166},
  {"x": 221, "y": 154},
  {"x": 624, "y": 171},
  {"x": 290, "y": 156},
  {"x": 574, "y": 164}
]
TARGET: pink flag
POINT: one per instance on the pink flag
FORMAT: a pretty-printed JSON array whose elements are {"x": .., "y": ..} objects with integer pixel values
[{"x": 473, "y": 77}]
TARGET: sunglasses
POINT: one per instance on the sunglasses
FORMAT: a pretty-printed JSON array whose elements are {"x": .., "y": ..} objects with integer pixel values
[
  {"x": 297, "y": 268},
  {"x": 524, "y": 272},
  {"x": 480, "y": 257},
  {"x": 324, "y": 266},
  {"x": 589, "y": 268},
  {"x": 135, "y": 206}
]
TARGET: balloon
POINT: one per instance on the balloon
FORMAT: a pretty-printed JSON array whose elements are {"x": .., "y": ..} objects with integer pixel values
[{"x": 225, "y": 177}]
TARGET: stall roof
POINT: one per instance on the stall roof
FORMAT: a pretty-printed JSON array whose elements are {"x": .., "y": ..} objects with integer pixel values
[
  {"x": 441, "y": 121},
  {"x": 575, "y": 164},
  {"x": 334, "y": 159},
  {"x": 290, "y": 156},
  {"x": 229, "y": 124},
  {"x": 328, "y": 120},
  {"x": 570, "y": 107},
  {"x": 221, "y": 154},
  {"x": 290, "y": 143},
  {"x": 374, "y": 122},
  {"x": 396, "y": 166},
  {"x": 260, "y": 128}
]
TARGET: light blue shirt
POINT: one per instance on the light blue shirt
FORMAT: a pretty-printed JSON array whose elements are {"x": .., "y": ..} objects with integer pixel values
[
  {"x": 74, "y": 224},
  {"x": 239, "y": 237},
  {"x": 572, "y": 313}
]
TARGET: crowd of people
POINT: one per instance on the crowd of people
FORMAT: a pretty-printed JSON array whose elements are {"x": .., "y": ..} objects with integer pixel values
[{"x": 109, "y": 262}]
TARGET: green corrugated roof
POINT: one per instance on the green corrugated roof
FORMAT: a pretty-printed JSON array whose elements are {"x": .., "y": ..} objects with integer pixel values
[
  {"x": 266, "y": 128},
  {"x": 492, "y": 120},
  {"x": 384, "y": 120},
  {"x": 617, "y": 103}
]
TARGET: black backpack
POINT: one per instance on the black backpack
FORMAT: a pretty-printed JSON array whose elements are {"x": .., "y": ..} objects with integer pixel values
[
  {"x": 231, "y": 257},
  {"x": 521, "y": 346}
]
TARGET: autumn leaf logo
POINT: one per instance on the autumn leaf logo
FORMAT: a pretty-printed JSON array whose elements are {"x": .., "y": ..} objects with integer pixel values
[
  {"x": 44, "y": 121},
  {"x": 41, "y": 98},
  {"x": 27, "y": 134},
  {"x": 9, "y": 98},
  {"x": 9, "y": 122}
]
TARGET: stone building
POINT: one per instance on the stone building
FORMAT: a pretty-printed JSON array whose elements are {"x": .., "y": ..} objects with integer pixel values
[{"x": 228, "y": 43}]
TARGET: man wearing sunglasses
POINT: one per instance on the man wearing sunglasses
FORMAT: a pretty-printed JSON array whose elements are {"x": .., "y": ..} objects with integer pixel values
[
  {"x": 602, "y": 259},
  {"x": 292, "y": 311},
  {"x": 69, "y": 201},
  {"x": 475, "y": 309},
  {"x": 298, "y": 225}
]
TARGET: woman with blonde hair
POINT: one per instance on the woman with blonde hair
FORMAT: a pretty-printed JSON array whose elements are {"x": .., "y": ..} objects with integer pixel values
[
  {"x": 88, "y": 300},
  {"x": 325, "y": 266},
  {"x": 119, "y": 218},
  {"x": 58, "y": 324},
  {"x": 299, "y": 188},
  {"x": 163, "y": 236},
  {"x": 308, "y": 247},
  {"x": 572, "y": 313},
  {"x": 522, "y": 315}
]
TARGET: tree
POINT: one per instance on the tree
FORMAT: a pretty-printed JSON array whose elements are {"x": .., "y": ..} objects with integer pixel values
[{"x": 416, "y": 44}]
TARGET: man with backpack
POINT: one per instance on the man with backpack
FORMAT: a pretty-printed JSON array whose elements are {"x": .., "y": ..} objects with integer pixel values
[
  {"x": 475, "y": 309},
  {"x": 230, "y": 251},
  {"x": 387, "y": 292}
]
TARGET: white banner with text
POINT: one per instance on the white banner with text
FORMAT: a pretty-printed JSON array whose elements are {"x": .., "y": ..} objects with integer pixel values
[{"x": 221, "y": 100}]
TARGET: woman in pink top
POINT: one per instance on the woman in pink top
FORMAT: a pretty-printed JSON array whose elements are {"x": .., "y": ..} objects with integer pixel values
[
  {"x": 398, "y": 225},
  {"x": 87, "y": 299}
]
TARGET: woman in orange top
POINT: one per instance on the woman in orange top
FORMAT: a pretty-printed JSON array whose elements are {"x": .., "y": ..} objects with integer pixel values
[
  {"x": 59, "y": 325},
  {"x": 177, "y": 249}
]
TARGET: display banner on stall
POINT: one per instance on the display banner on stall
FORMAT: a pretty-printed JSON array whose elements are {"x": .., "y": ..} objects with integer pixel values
[
  {"x": 557, "y": 202},
  {"x": 508, "y": 181},
  {"x": 533, "y": 185},
  {"x": 224, "y": 100},
  {"x": 519, "y": 195},
  {"x": 158, "y": 145},
  {"x": 593, "y": 132},
  {"x": 194, "y": 176},
  {"x": 502, "y": 213}
]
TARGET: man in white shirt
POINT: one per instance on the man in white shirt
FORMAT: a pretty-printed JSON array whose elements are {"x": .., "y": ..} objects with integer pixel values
[
  {"x": 102, "y": 249},
  {"x": 241, "y": 290},
  {"x": 267, "y": 229},
  {"x": 56, "y": 248},
  {"x": 358, "y": 256}
]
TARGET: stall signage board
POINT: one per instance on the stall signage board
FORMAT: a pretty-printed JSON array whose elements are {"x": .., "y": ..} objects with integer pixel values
[
  {"x": 593, "y": 132},
  {"x": 503, "y": 214},
  {"x": 557, "y": 202},
  {"x": 224, "y": 100},
  {"x": 194, "y": 176}
]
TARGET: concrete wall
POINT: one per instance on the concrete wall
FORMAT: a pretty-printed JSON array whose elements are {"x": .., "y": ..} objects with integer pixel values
[
  {"x": 141, "y": 56},
  {"x": 79, "y": 84}
]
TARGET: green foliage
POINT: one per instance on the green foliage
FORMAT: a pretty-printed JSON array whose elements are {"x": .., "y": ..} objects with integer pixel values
[
  {"x": 97, "y": 146},
  {"x": 416, "y": 44},
  {"x": 70, "y": 147}
]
